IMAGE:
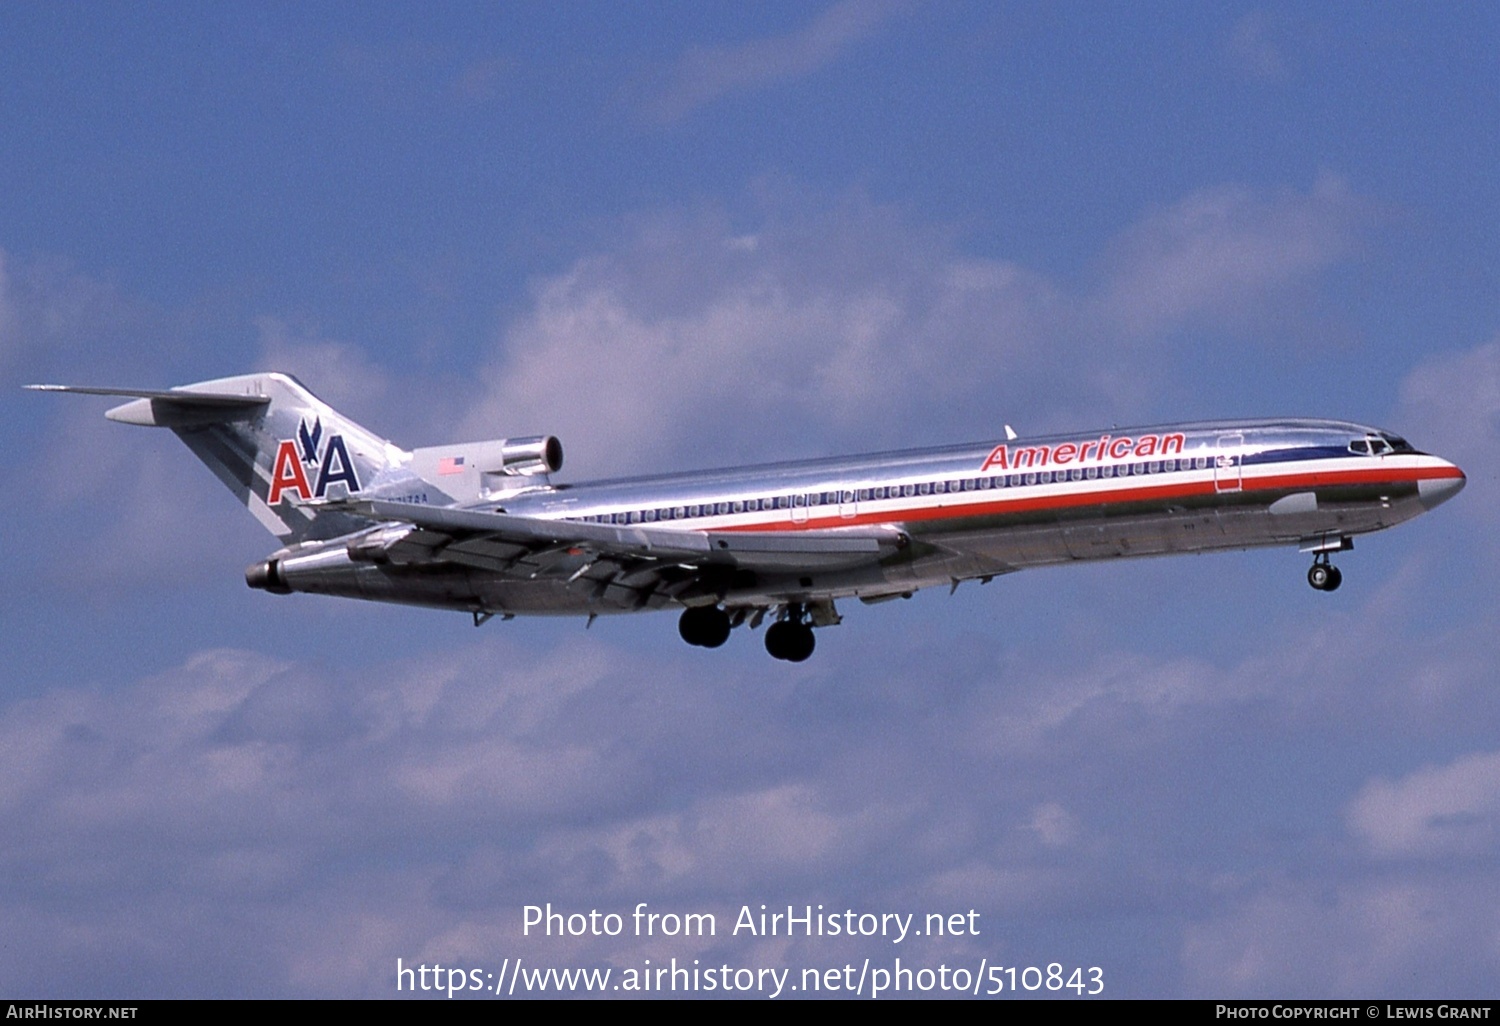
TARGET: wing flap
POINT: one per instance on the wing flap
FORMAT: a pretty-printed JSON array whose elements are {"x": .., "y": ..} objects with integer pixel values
[{"x": 503, "y": 540}]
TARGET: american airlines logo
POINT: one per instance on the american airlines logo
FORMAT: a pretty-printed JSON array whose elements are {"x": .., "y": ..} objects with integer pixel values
[
  {"x": 296, "y": 458},
  {"x": 1105, "y": 448}
]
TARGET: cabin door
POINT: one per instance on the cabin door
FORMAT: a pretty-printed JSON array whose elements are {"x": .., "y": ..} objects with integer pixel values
[{"x": 1227, "y": 469}]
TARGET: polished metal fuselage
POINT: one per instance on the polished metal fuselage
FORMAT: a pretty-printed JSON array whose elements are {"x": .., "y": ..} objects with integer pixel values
[{"x": 962, "y": 512}]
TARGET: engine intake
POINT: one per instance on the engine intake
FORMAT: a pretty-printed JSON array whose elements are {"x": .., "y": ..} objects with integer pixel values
[{"x": 538, "y": 454}]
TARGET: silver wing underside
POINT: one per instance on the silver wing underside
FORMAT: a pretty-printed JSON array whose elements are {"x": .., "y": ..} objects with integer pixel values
[{"x": 500, "y": 563}]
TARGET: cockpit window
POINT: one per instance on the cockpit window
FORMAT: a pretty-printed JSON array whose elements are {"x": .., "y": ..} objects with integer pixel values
[{"x": 1380, "y": 445}]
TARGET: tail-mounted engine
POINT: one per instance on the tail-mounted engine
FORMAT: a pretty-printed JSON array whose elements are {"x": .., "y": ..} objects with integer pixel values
[{"x": 474, "y": 470}]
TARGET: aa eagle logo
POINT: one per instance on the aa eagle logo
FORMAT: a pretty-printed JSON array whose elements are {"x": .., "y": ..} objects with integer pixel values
[{"x": 296, "y": 458}]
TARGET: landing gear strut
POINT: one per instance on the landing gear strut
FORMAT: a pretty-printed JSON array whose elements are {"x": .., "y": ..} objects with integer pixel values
[
  {"x": 704, "y": 626},
  {"x": 1323, "y": 575},
  {"x": 790, "y": 638}
]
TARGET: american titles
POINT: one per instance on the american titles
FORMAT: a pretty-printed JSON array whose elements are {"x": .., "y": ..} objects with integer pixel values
[{"x": 1106, "y": 447}]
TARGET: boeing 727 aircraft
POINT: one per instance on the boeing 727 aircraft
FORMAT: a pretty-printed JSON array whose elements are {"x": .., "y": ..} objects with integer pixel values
[{"x": 483, "y": 529}]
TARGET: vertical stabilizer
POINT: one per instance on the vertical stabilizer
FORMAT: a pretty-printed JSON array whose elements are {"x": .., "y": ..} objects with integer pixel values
[{"x": 280, "y": 449}]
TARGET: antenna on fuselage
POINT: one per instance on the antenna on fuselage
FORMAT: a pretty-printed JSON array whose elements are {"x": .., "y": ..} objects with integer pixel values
[{"x": 1010, "y": 433}]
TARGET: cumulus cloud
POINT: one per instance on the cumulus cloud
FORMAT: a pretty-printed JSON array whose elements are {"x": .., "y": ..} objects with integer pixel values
[
  {"x": 168, "y": 521},
  {"x": 1352, "y": 939},
  {"x": 411, "y": 809},
  {"x": 687, "y": 332},
  {"x": 9, "y": 340},
  {"x": 1435, "y": 811},
  {"x": 339, "y": 373},
  {"x": 704, "y": 75},
  {"x": 142, "y": 512},
  {"x": 1223, "y": 252},
  {"x": 1452, "y": 403},
  {"x": 842, "y": 322},
  {"x": 51, "y": 314},
  {"x": 1253, "y": 49}
]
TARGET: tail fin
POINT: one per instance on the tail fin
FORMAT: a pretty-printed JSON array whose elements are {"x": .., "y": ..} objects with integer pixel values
[{"x": 278, "y": 447}]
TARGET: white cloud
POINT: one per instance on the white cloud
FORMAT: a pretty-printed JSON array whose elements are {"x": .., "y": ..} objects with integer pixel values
[
  {"x": 1451, "y": 810},
  {"x": 843, "y": 324},
  {"x": 167, "y": 520},
  {"x": 338, "y": 373},
  {"x": 1054, "y": 825},
  {"x": 1253, "y": 50},
  {"x": 10, "y": 341},
  {"x": 142, "y": 511},
  {"x": 51, "y": 314},
  {"x": 1356, "y": 938},
  {"x": 1221, "y": 253},
  {"x": 412, "y": 809},
  {"x": 1452, "y": 406},
  {"x": 666, "y": 350},
  {"x": 703, "y": 75},
  {"x": 409, "y": 810}
]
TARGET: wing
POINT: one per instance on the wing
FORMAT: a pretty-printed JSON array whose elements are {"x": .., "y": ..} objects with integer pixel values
[{"x": 650, "y": 561}]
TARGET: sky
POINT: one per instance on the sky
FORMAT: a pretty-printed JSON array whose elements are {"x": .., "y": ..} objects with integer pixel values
[{"x": 682, "y": 236}]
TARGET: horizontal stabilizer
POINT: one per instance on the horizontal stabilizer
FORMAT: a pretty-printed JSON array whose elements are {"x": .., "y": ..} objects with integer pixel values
[
  {"x": 180, "y": 395},
  {"x": 166, "y": 407}
]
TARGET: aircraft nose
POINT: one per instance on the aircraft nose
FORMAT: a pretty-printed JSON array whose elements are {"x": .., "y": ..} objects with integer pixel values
[{"x": 1434, "y": 491}]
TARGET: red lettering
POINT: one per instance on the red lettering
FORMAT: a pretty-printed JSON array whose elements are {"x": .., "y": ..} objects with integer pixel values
[
  {"x": 1146, "y": 446},
  {"x": 1064, "y": 453},
  {"x": 999, "y": 457},
  {"x": 1120, "y": 448},
  {"x": 1032, "y": 457},
  {"x": 287, "y": 475},
  {"x": 1172, "y": 443}
]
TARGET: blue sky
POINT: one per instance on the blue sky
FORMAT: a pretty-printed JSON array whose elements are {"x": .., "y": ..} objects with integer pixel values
[{"x": 681, "y": 236}]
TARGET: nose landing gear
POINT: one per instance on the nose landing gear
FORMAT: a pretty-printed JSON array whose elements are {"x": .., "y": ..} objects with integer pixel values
[{"x": 1323, "y": 575}]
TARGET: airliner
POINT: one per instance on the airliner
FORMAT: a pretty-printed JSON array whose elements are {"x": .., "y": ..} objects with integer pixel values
[{"x": 482, "y": 527}]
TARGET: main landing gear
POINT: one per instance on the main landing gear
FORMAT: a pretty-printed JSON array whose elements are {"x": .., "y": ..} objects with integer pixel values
[
  {"x": 789, "y": 638},
  {"x": 704, "y": 626},
  {"x": 1323, "y": 575}
]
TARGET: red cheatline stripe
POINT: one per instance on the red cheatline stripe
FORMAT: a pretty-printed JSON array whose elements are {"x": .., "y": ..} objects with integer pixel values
[{"x": 1103, "y": 498}]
